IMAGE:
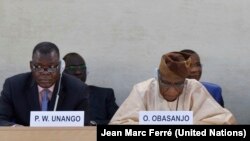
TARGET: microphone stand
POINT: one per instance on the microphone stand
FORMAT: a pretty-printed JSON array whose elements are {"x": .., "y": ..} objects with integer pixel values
[
  {"x": 62, "y": 66},
  {"x": 57, "y": 94}
]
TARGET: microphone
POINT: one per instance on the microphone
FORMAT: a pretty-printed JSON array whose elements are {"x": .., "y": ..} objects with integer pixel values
[
  {"x": 156, "y": 71},
  {"x": 62, "y": 67}
]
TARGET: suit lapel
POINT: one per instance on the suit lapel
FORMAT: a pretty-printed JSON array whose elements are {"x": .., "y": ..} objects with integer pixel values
[
  {"x": 32, "y": 96},
  {"x": 53, "y": 99},
  {"x": 61, "y": 99}
]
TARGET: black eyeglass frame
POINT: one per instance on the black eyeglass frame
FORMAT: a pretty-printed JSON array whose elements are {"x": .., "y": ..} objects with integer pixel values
[{"x": 168, "y": 85}]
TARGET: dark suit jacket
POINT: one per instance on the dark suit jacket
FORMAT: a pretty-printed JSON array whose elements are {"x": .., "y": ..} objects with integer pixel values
[
  {"x": 102, "y": 104},
  {"x": 20, "y": 96}
]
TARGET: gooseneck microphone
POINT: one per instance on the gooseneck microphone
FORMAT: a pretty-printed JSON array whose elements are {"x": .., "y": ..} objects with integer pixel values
[{"x": 62, "y": 67}]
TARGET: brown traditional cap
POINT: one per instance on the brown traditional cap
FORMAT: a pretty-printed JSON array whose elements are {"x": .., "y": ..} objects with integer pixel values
[{"x": 175, "y": 65}]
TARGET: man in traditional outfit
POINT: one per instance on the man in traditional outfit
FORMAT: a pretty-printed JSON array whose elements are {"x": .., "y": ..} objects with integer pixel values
[{"x": 171, "y": 91}]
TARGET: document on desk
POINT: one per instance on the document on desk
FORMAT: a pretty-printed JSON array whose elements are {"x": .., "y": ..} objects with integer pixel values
[{"x": 57, "y": 118}]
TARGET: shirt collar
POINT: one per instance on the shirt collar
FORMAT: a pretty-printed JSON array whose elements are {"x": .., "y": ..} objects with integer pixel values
[{"x": 50, "y": 88}]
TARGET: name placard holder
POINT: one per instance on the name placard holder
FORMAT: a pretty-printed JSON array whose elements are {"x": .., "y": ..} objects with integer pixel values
[
  {"x": 166, "y": 117},
  {"x": 57, "y": 118}
]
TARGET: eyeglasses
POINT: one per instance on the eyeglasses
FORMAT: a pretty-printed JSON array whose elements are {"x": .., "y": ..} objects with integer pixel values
[
  {"x": 167, "y": 85},
  {"x": 40, "y": 69},
  {"x": 75, "y": 68}
]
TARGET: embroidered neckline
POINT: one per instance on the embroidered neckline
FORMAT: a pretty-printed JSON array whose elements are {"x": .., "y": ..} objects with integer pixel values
[{"x": 176, "y": 105}]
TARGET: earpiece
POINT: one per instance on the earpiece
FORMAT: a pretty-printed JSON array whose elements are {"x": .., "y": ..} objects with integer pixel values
[{"x": 62, "y": 66}]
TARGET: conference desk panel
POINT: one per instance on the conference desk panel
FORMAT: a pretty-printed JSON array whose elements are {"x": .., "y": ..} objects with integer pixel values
[{"x": 87, "y": 133}]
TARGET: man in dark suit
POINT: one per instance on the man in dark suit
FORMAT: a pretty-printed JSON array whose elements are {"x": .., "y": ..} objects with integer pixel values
[
  {"x": 102, "y": 100},
  {"x": 22, "y": 93}
]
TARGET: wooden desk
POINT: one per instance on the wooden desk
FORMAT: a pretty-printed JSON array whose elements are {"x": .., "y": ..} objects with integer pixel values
[{"x": 87, "y": 133}]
